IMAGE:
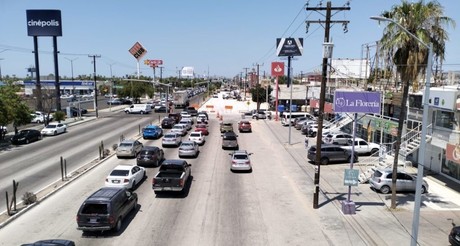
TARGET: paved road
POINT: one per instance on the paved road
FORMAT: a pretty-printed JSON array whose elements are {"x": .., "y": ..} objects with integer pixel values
[{"x": 270, "y": 206}]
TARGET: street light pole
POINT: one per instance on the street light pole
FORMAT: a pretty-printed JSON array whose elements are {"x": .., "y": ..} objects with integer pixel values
[
  {"x": 421, "y": 158},
  {"x": 71, "y": 64}
]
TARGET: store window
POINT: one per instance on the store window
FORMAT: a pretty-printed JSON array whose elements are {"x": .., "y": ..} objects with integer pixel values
[{"x": 445, "y": 119}]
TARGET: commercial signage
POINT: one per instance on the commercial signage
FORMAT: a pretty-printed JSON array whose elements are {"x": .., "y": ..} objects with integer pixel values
[
  {"x": 277, "y": 69},
  {"x": 187, "y": 72},
  {"x": 153, "y": 63},
  {"x": 443, "y": 98},
  {"x": 357, "y": 102},
  {"x": 289, "y": 46},
  {"x": 44, "y": 22},
  {"x": 351, "y": 177},
  {"x": 453, "y": 153},
  {"x": 138, "y": 51}
]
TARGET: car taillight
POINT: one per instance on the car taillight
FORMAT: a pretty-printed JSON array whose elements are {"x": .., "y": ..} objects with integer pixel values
[
  {"x": 181, "y": 182},
  {"x": 111, "y": 220},
  {"x": 153, "y": 181},
  {"x": 77, "y": 218},
  {"x": 248, "y": 162},
  {"x": 125, "y": 180}
]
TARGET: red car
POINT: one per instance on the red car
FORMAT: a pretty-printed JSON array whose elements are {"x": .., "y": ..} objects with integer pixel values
[
  {"x": 202, "y": 128},
  {"x": 244, "y": 126}
]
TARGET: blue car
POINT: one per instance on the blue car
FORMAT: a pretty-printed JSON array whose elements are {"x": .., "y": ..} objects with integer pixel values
[{"x": 152, "y": 131}]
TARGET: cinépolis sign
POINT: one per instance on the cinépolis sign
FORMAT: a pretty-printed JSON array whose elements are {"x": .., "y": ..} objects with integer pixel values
[{"x": 44, "y": 22}]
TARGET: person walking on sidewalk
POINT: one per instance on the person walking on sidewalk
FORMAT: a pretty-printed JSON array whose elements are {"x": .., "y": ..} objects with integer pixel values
[{"x": 306, "y": 142}]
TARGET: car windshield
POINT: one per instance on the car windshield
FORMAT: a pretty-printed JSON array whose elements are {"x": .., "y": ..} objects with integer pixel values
[
  {"x": 50, "y": 126},
  {"x": 116, "y": 172},
  {"x": 170, "y": 136},
  {"x": 195, "y": 135},
  {"x": 23, "y": 133},
  {"x": 177, "y": 127},
  {"x": 200, "y": 126},
  {"x": 90, "y": 208},
  {"x": 229, "y": 137},
  {"x": 187, "y": 145}
]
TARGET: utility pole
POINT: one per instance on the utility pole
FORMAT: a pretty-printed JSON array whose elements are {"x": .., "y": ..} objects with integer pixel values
[
  {"x": 258, "y": 85},
  {"x": 1, "y": 68},
  {"x": 71, "y": 64},
  {"x": 245, "y": 81},
  {"x": 95, "y": 83},
  {"x": 327, "y": 25}
]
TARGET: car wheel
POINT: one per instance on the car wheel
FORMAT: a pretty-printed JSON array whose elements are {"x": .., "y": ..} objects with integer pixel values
[
  {"x": 423, "y": 189},
  {"x": 135, "y": 205},
  {"x": 324, "y": 161},
  {"x": 373, "y": 151},
  {"x": 142, "y": 112},
  {"x": 385, "y": 189},
  {"x": 118, "y": 225},
  {"x": 55, "y": 133}
]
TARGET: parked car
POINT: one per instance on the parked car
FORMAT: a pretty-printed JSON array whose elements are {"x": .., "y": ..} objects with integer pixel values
[
  {"x": 362, "y": 147},
  {"x": 74, "y": 111},
  {"x": 129, "y": 148},
  {"x": 51, "y": 242},
  {"x": 230, "y": 141},
  {"x": 331, "y": 153},
  {"x": 152, "y": 131},
  {"x": 105, "y": 209},
  {"x": 171, "y": 139},
  {"x": 26, "y": 136},
  {"x": 454, "y": 236},
  {"x": 244, "y": 126},
  {"x": 226, "y": 127},
  {"x": 127, "y": 176},
  {"x": 138, "y": 109},
  {"x": 3, "y": 129},
  {"x": 381, "y": 180},
  {"x": 197, "y": 137},
  {"x": 167, "y": 123},
  {"x": 240, "y": 161},
  {"x": 202, "y": 128},
  {"x": 338, "y": 138},
  {"x": 172, "y": 176},
  {"x": 150, "y": 156},
  {"x": 180, "y": 129},
  {"x": 189, "y": 149},
  {"x": 54, "y": 128}
]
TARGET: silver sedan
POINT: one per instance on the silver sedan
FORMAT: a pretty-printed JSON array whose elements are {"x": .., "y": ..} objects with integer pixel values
[{"x": 188, "y": 148}]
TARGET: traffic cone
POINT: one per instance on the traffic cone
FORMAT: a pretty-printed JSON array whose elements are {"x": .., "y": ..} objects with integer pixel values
[
  {"x": 221, "y": 118},
  {"x": 217, "y": 115}
]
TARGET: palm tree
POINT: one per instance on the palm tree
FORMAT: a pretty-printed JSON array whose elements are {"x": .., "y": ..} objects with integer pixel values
[{"x": 426, "y": 21}]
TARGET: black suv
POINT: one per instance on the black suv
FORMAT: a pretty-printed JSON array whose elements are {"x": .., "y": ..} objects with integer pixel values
[
  {"x": 105, "y": 209},
  {"x": 168, "y": 123}
]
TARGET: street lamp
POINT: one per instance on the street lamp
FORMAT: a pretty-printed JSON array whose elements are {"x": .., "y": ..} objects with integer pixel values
[
  {"x": 71, "y": 64},
  {"x": 421, "y": 162}
]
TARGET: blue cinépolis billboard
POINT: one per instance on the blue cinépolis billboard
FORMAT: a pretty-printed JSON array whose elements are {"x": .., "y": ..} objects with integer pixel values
[{"x": 44, "y": 22}]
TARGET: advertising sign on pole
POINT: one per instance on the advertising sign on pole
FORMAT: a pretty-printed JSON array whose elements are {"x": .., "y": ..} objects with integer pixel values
[
  {"x": 289, "y": 46},
  {"x": 187, "y": 72},
  {"x": 357, "y": 102},
  {"x": 138, "y": 51},
  {"x": 277, "y": 69},
  {"x": 44, "y": 22}
]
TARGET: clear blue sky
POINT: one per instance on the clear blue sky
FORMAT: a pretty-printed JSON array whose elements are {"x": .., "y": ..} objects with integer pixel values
[{"x": 220, "y": 36}]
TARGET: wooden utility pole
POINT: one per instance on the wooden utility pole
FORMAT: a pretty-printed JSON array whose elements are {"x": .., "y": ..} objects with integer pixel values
[
  {"x": 327, "y": 26},
  {"x": 95, "y": 83}
]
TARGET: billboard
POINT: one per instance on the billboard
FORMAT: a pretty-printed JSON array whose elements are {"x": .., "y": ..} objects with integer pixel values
[
  {"x": 289, "y": 46},
  {"x": 357, "y": 102},
  {"x": 350, "y": 68},
  {"x": 44, "y": 22},
  {"x": 187, "y": 72},
  {"x": 138, "y": 51}
]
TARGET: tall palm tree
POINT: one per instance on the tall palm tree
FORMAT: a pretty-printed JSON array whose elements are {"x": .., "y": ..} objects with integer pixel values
[{"x": 427, "y": 22}]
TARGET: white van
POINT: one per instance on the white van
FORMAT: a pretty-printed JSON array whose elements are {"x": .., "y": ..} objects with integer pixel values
[
  {"x": 139, "y": 109},
  {"x": 288, "y": 118}
]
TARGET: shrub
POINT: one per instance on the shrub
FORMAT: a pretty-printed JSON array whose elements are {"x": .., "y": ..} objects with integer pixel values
[{"x": 29, "y": 198}]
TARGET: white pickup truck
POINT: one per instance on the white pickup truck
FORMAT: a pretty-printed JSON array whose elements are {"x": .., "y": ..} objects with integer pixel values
[{"x": 362, "y": 146}]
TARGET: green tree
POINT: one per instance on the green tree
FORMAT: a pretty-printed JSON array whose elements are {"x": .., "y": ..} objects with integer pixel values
[
  {"x": 259, "y": 94},
  {"x": 426, "y": 21},
  {"x": 13, "y": 110}
]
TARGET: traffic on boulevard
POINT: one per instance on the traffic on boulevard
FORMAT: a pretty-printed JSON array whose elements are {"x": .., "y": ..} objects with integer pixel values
[{"x": 217, "y": 188}]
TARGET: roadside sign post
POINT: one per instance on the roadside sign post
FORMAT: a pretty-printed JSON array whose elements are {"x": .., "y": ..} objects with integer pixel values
[
  {"x": 354, "y": 102},
  {"x": 138, "y": 51},
  {"x": 277, "y": 70}
]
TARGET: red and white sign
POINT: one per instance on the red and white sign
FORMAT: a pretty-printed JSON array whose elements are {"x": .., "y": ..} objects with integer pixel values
[
  {"x": 153, "y": 63},
  {"x": 138, "y": 51},
  {"x": 453, "y": 153},
  {"x": 277, "y": 69}
]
